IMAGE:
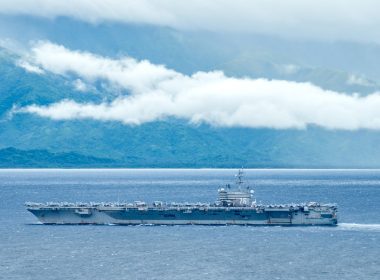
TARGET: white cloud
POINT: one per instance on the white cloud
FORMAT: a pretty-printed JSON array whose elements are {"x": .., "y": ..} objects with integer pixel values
[
  {"x": 211, "y": 97},
  {"x": 323, "y": 19},
  {"x": 11, "y": 45},
  {"x": 79, "y": 85},
  {"x": 126, "y": 72},
  {"x": 29, "y": 67},
  {"x": 358, "y": 80},
  {"x": 287, "y": 69}
]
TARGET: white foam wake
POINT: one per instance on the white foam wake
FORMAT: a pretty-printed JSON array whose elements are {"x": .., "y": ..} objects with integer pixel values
[{"x": 359, "y": 227}]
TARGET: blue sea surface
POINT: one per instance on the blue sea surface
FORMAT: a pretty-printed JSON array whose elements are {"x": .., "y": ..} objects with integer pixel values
[{"x": 29, "y": 250}]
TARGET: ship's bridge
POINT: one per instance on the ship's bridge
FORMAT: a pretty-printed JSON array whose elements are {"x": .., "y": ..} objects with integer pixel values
[
  {"x": 241, "y": 197},
  {"x": 235, "y": 198}
]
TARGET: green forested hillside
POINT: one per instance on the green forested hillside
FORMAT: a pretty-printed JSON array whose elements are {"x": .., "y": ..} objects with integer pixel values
[{"x": 31, "y": 141}]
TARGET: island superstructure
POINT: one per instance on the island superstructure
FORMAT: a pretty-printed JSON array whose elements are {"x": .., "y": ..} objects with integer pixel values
[{"x": 235, "y": 206}]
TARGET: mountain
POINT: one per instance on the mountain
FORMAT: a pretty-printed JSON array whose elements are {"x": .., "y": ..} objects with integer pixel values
[
  {"x": 31, "y": 141},
  {"x": 19, "y": 87},
  {"x": 14, "y": 158}
]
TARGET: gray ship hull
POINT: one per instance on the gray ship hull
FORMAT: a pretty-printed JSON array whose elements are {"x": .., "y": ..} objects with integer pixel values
[{"x": 184, "y": 216}]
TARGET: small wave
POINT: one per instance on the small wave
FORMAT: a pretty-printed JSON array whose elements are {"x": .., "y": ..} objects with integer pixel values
[{"x": 359, "y": 227}]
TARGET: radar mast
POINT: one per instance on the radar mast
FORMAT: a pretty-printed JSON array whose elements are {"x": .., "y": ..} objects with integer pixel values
[{"x": 239, "y": 178}]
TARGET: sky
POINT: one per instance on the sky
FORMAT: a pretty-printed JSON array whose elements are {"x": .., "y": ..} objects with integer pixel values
[
  {"x": 353, "y": 20},
  {"x": 156, "y": 92}
]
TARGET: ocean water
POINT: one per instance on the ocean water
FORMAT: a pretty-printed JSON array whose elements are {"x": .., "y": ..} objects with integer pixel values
[{"x": 29, "y": 250}]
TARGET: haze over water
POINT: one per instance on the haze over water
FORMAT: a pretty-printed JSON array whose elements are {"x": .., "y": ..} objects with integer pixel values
[{"x": 349, "y": 251}]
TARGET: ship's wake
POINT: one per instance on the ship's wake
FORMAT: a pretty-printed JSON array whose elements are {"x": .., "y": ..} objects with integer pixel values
[{"x": 359, "y": 227}]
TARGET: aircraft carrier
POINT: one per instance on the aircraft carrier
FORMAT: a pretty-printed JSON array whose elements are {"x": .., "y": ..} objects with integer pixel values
[{"x": 235, "y": 206}]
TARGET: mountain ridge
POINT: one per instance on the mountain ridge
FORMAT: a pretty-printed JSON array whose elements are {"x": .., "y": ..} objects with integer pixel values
[{"x": 171, "y": 142}]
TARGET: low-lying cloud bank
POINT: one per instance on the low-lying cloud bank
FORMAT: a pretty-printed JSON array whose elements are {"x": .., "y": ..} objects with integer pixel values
[
  {"x": 314, "y": 19},
  {"x": 210, "y": 97}
]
